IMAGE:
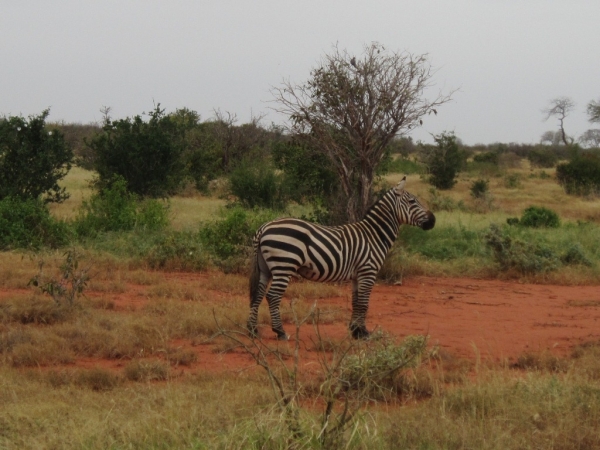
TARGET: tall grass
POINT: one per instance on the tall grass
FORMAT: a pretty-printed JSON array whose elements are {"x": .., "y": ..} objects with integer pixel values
[{"x": 503, "y": 409}]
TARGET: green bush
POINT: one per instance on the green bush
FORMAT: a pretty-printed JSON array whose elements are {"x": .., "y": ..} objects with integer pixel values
[
  {"x": 116, "y": 209},
  {"x": 581, "y": 175},
  {"x": 148, "y": 155},
  {"x": 487, "y": 157},
  {"x": 257, "y": 184},
  {"x": 177, "y": 251},
  {"x": 479, "y": 188},
  {"x": 542, "y": 157},
  {"x": 232, "y": 235},
  {"x": 525, "y": 257},
  {"x": 443, "y": 161},
  {"x": 32, "y": 159},
  {"x": 28, "y": 224},
  {"x": 538, "y": 217}
]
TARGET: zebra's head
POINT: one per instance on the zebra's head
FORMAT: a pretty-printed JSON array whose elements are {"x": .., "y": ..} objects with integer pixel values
[{"x": 410, "y": 210}]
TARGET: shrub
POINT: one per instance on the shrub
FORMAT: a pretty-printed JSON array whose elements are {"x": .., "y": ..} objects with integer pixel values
[
  {"x": 443, "y": 161},
  {"x": 32, "y": 159},
  {"x": 232, "y": 236},
  {"x": 580, "y": 176},
  {"x": 487, "y": 157},
  {"x": 256, "y": 184},
  {"x": 479, "y": 188},
  {"x": 116, "y": 209},
  {"x": 542, "y": 157},
  {"x": 148, "y": 155},
  {"x": 28, "y": 224},
  {"x": 309, "y": 174},
  {"x": 512, "y": 181},
  {"x": 538, "y": 217},
  {"x": 525, "y": 257},
  {"x": 178, "y": 251},
  {"x": 575, "y": 255}
]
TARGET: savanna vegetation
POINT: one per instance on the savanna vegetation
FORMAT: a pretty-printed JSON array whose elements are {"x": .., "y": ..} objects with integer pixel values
[{"x": 124, "y": 205}]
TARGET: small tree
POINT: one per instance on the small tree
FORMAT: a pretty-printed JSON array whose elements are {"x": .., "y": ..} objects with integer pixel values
[
  {"x": 444, "y": 160},
  {"x": 560, "y": 107},
  {"x": 147, "y": 155},
  {"x": 351, "y": 108},
  {"x": 593, "y": 110},
  {"x": 591, "y": 137},
  {"x": 33, "y": 159}
]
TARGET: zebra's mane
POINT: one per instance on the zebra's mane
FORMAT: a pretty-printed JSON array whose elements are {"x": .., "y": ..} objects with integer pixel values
[{"x": 377, "y": 202}]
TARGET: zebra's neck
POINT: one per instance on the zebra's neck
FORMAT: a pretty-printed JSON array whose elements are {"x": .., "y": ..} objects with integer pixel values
[{"x": 382, "y": 219}]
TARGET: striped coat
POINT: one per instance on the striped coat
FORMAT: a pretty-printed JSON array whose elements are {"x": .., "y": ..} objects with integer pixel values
[{"x": 292, "y": 247}]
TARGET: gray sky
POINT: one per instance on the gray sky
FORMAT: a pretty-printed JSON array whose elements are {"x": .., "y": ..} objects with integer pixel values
[{"x": 508, "y": 58}]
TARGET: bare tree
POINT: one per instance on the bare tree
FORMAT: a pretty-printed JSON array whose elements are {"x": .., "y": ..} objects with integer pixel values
[
  {"x": 353, "y": 106},
  {"x": 560, "y": 107}
]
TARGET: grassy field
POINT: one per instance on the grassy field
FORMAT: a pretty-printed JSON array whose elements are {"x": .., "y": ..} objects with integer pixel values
[{"x": 135, "y": 391}]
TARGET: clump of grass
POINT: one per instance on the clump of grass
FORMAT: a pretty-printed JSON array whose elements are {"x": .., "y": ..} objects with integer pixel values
[
  {"x": 33, "y": 309},
  {"x": 146, "y": 370},
  {"x": 182, "y": 357},
  {"x": 98, "y": 379},
  {"x": 376, "y": 369}
]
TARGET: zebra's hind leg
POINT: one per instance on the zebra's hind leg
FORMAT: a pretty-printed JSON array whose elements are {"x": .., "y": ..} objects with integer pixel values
[
  {"x": 361, "y": 291},
  {"x": 278, "y": 286},
  {"x": 259, "y": 279}
]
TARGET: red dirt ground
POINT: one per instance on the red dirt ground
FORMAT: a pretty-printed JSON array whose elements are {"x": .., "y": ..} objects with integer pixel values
[{"x": 467, "y": 318}]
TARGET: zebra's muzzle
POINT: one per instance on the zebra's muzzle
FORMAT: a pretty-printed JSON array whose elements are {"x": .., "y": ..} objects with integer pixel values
[{"x": 429, "y": 222}]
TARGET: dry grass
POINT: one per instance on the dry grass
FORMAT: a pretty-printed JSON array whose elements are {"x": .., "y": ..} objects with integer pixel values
[{"x": 533, "y": 190}]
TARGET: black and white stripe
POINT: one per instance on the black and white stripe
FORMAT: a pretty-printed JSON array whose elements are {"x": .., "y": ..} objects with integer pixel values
[{"x": 290, "y": 247}]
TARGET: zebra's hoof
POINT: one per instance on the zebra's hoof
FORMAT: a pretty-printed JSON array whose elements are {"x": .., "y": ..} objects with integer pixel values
[
  {"x": 360, "y": 333},
  {"x": 282, "y": 337}
]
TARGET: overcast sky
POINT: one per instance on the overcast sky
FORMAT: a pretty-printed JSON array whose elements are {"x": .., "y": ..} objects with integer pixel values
[{"x": 507, "y": 58}]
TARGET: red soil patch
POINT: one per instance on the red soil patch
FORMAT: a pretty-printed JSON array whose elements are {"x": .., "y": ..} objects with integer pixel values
[{"x": 467, "y": 318}]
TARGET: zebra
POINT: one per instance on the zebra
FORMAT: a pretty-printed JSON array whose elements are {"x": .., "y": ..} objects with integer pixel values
[{"x": 293, "y": 247}]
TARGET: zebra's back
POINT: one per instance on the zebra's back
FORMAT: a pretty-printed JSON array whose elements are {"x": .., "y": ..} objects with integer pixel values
[{"x": 316, "y": 252}]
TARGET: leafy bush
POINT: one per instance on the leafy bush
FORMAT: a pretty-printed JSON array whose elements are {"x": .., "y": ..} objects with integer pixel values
[
  {"x": 116, "y": 209},
  {"x": 443, "y": 161},
  {"x": 232, "y": 236},
  {"x": 537, "y": 217},
  {"x": 309, "y": 174},
  {"x": 581, "y": 175},
  {"x": 575, "y": 255},
  {"x": 148, "y": 155},
  {"x": 256, "y": 184},
  {"x": 178, "y": 251},
  {"x": 525, "y": 257},
  {"x": 403, "y": 166},
  {"x": 487, "y": 157},
  {"x": 479, "y": 188},
  {"x": 542, "y": 157},
  {"x": 28, "y": 224},
  {"x": 32, "y": 159}
]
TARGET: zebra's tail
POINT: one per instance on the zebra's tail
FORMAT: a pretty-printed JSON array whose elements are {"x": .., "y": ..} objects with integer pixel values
[{"x": 254, "y": 266}]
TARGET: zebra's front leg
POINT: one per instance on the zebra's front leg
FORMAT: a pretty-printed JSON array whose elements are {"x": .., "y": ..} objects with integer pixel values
[
  {"x": 361, "y": 291},
  {"x": 278, "y": 287}
]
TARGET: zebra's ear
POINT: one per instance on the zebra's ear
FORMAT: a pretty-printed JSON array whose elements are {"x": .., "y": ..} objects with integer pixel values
[{"x": 400, "y": 186}]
